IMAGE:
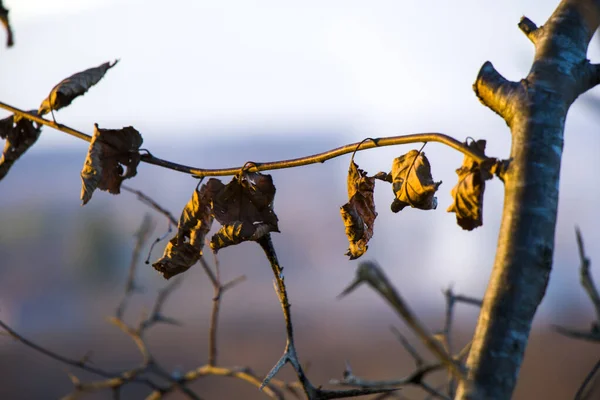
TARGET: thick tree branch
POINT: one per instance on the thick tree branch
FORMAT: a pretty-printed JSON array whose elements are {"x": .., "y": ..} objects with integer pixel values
[
  {"x": 296, "y": 162},
  {"x": 526, "y": 238}
]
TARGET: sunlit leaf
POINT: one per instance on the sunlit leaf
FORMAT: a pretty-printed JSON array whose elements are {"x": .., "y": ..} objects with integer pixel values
[
  {"x": 412, "y": 182},
  {"x": 359, "y": 213},
  {"x": 6, "y": 22},
  {"x": 70, "y": 88},
  {"x": 185, "y": 249},
  {"x": 468, "y": 192},
  {"x": 245, "y": 209},
  {"x": 109, "y": 150},
  {"x": 19, "y": 137}
]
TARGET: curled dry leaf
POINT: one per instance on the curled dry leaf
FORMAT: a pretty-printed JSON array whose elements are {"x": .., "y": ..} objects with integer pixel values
[
  {"x": 412, "y": 182},
  {"x": 185, "y": 249},
  {"x": 19, "y": 135},
  {"x": 70, "y": 88},
  {"x": 359, "y": 213},
  {"x": 109, "y": 149},
  {"x": 468, "y": 192},
  {"x": 245, "y": 209},
  {"x": 6, "y": 22}
]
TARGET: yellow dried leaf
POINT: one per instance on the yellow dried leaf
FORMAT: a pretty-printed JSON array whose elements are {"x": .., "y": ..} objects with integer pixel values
[
  {"x": 412, "y": 182},
  {"x": 468, "y": 192},
  {"x": 108, "y": 151},
  {"x": 72, "y": 87},
  {"x": 185, "y": 249},
  {"x": 359, "y": 213}
]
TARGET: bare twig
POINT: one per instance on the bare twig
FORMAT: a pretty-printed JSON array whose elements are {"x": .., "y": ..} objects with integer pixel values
[
  {"x": 296, "y": 162},
  {"x": 587, "y": 282},
  {"x": 581, "y": 391},
  {"x": 372, "y": 274},
  {"x": 130, "y": 286},
  {"x": 290, "y": 354}
]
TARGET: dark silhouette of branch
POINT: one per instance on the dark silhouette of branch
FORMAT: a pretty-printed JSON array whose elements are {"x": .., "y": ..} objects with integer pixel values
[
  {"x": 297, "y": 162},
  {"x": 369, "y": 272},
  {"x": 587, "y": 282},
  {"x": 290, "y": 354}
]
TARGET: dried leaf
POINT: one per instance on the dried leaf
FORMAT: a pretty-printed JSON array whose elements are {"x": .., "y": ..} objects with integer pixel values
[
  {"x": 70, "y": 88},
  {"x": 412, "y": 182},
  {"x": 245, "y": 209},
  {"x": 109, "y": 149},
  {"x": 468, "y": 192},
  {"x": 359, "y": 213},
  {"x": 19, "y": 136},
  {"x": 185, "y": 249},
  {"x": 6, "y": 22}
]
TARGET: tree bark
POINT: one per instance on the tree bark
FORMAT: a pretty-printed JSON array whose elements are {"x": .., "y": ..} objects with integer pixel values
[{"x": 535, "y": 109}]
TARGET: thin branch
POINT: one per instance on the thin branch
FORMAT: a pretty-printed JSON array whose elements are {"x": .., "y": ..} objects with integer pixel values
[
  {"x": 586, "y": 277},
  {"x": 144, "y": 198},
  {"x": 372, "y": 274},
  {"x": 142, "y": 235},
  {"x": 296, "y": 162},
  {"x": 580, "y": 392},
  {"x": 290, "y": 354}
]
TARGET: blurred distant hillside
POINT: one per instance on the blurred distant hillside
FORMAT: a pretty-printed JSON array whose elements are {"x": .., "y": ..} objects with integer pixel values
[{"x": 63, "y": 267}]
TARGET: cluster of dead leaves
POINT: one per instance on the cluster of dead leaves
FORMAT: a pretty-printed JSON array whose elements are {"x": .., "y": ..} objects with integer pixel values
[
  {"x": 413, "y": 185},
  {"x": 243, "y": 207},
  {"x": 6, "y": 22}
]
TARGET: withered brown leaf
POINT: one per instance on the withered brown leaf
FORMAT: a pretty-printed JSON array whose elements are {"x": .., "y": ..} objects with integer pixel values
[
  {"x": 109, "y": 149},
  {"x": 185, "y": 249},
  {"x": 6, "y": 22},
  {"x": 468, "y": 192},
  {"x": 20, "y": 136},
  {"x": 245, "y": 209},
  {"x": 70, "y": 88},
  {"x": 412, "y": 182},
  {"x": 359, "y": 213}
]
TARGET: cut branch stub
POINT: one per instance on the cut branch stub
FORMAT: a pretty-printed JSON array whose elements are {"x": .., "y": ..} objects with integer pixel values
[
  {"x": 19, "y": 135},
  {"x": 185, "y": 249},
  {"x": 109, "y": 149},
  {"x": 245, "y": 209},
  {"x": 468, "y": 192},
  {"x": 6, "y": 22},
  {"x": 412, "y": 182},
  {"x": 359, "y": 213},
  {"x": 70, "y": 88}
]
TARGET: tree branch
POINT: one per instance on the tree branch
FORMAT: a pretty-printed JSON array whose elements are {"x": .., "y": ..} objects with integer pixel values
[{"x": 265, "y": 166}]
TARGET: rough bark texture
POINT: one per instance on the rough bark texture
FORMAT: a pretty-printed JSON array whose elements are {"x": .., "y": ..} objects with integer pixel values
[{"x": 535, "y": 110}]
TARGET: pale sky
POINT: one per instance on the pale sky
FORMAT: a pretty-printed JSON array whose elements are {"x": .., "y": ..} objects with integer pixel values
[{"x": 191, "y": 69}]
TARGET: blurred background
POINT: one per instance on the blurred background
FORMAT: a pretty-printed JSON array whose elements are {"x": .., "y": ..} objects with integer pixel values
[{"x": 216, "y": 84}]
